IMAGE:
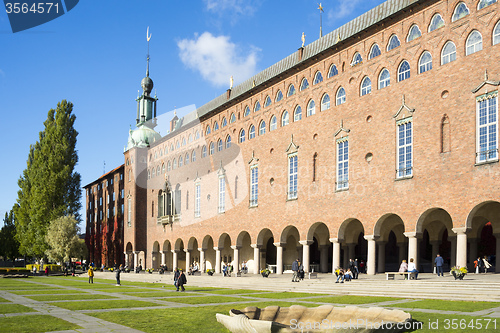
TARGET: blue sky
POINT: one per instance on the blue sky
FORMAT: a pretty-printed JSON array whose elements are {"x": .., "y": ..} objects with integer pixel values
[{"x": 95, "y": 57}]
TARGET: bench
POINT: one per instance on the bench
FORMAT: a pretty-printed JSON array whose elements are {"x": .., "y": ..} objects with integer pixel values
[
  {"x": 197, "y": 273},
  {"x": 391, "y": 275},
  {"x": 313, "y": 275}
]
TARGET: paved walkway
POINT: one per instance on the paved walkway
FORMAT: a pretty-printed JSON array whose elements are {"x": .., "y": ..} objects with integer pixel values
[{"x": 473, "y": 288}]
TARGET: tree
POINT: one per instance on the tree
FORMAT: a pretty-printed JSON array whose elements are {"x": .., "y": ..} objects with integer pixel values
[
  {"x": 62, "y": 239},
  {"x": 49, "y": 186},
  {"x": 9, "y": 246}
]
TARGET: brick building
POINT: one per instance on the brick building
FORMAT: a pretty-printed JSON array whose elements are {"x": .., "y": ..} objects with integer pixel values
[
  {"x": 104, "y": 215},
  {"x": 378, "y": 141}
]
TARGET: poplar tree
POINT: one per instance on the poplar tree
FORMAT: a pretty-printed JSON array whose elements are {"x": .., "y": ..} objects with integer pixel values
[{"x": 49, "y": 186}]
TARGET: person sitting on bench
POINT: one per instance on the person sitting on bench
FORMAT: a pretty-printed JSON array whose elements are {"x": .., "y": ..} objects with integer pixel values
[{"x": 412, "y": 268}]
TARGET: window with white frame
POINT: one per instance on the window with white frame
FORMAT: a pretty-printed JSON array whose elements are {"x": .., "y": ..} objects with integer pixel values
[
  {"x": 285, "y": 119},
  {"x": 222, "y": 194},
  {"x": 129, "y": 212},
  {"x": 449, "y": 53},
  {"x": 487, "y": 127},
  {"x": 291, "y": 91},
  {"x": 292, "y": 176},
  {"x": 186, "y": 159},
  {"x": 325, "y": 102},
  {"x": 279, "y": 96},
  {"x": 404, "y": 166},
  {"x": 425, "y": 62},
  {"x": 220, "y": 145},
  {"x": 342, "y": 163},
  {"x": 460, "y": 11},
  {"x": 242, "y": 136},
  {"x": 384, "y": 79},
  {"x": 374, "y": 52},
  {"x": 485, "y": 3},
  {"x": 254, "y": 185},
  {"x": 304, "y": 84},
  {"x": 273, "y": 124},
  {"x": 318, "y": 78},
  {"x": 393, "y": 42},
  {"x": 228, "y": 141},
  {"x": 247, "y": 111},
  {"x": 203, "y": 151},
  {"x": 311, "y": 108},
  {"x": 333, "y": 71},
  {"x": 251, "y": 132},
  {"x": 211, "y": 148},
  {"x": 414, "y": 33},
  {"x": 404, "y": 71},
  {"x": 366, "y": 86},
  {"x": 436, "y": 22},
  {"x": 197, "y": 200},
  {"x": 267, "y": 101},
  {"x": 357, "y": 59},
  {"x": 193, "y": 156},
  {"x": 180, "y": 161},
  {"x": 341, "y": 97},
  {"x": 223, "y": 124},
  {"x": 474, "y": 43},
  {"x": 297, "y": 114},
  {"x": 262, "y": 128},
  {"x": 496, "y": 34},
  {"x": 232, "y": 119},
  {"x": 256, "y": 107}
]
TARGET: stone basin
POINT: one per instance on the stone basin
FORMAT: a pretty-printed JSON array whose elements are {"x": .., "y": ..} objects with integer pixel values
[{"x": 323, "y": 319}]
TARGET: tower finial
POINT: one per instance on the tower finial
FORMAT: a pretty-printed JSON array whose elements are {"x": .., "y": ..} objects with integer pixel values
[
  {"x": 148, "y": 38},
  {"x": 320, "y": 20}
]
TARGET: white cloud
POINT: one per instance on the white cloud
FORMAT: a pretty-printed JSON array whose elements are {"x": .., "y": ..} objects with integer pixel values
[
  {"x": 343, "y": 9},
  {"x": 217, "y": 58},
  {"x": 240, "y": 7}
]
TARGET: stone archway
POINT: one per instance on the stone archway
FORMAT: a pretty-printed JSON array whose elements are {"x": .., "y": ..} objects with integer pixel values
[
  {"x": 265, "y": 249},
  {"x": 192, "y": 253},
  {"x": 207, "y": 254},
  {"x": 179, "y": 256},
  {"x": 243, "y": 252},
  {"x": 129, "y": 255},
  {"x": 288, "y": 249},
  {"x": 167, "y": 255},
  {"x": 320, "y": 251},
  {"x": 391, "y": 242},
  {"x": 155, "y": 256},
  {"x": 352, "y": 243},
  {"x": 225, "y": 251}
]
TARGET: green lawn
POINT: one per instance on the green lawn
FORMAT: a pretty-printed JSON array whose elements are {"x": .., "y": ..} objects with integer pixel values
[
  {"x": 204, "y": 299},
  {"x": 35, "y": 324},
  {"x": 435, "y": 304},
  {"x": 286, "y": 294},
  {"x": 107, "y": 304},
  {"x": 350, "y": 299},
  {"x": 14, "y": 308},
  {"x": 44, "y": 291},
  {"x": 160, "y": 293},
  {"x": 2, "y": 300},
  {"x": 64, "y": 297}
]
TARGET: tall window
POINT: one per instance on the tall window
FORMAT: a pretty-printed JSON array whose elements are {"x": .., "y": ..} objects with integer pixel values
[
  {"x": 405, "y": 149},
  {"x": 206, "y": 132},
  {"x": 291, "y": 91},
  {"x": 222, "y": 194},
  {"x": 297, "y": 115},
  {"x": 247, "y": 111},
  {"x": 193, "y": 156},
  {"x": 220, "y": 145},
  {"x": 304, "y": 84},
  {"x": 404, "y": 71},
  {"x": 212, "y": 148},
  {"x": 251, "y": 132},
  {"x": 318, "y": 78},
  {"x": 425, "y": 62},
  {"x": 487, "y": 127},
  {"x": 267, "y": 101},
  {"x": 384, "y": 79},
  {"x": 333, "y": 71},
  {"x": 374, "y": 52},
  {"x": 262, "y": 128},
  {"x": 242, "y": 136},
  {"x": 393, "y": 42},
  {"x": 204, "y": 152},
  {"x": 436, "y": 22},
  {"x": 256, "y": 107},
  {"x": 461, "y": 10},
  {"x": 366, "y": 86},
  {"x": 129, "y": 212},
  {"x": 449, "y": 53},
  {"x": 273, "y": 124},
  {"x": 285, "y": 118},
  {"x": 343, "y": 164},
  {"x": 414, "y": 33},
  {"x": 279, "y": 96},
  {"x": 340, "y": 96},
  {"x": 292, "y": 176},
  {"x": 232, "y": 119},
  {"x": 254, "y": 185},
  {"x": 228, "y": 141},
  {"x": 197, "y": 197},
  {"x": 186, "y": 159},
  {"x": 222, "y": 124},
  {"x": 180, "y": 161},
  {"x": 474, "y": 43},
  {"x": 325, "y": 102},
  {"x": 311, "y": 108}
]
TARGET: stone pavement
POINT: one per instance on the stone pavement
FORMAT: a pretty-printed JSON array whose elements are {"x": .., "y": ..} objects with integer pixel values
[{"x": 484, "y": 287}]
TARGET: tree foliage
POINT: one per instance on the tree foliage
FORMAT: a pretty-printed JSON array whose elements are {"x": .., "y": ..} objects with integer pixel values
[
  {"x": 49, "y": 186},
  {"x": 9, "y": 246},
  {"x": 62, "y": 239}
]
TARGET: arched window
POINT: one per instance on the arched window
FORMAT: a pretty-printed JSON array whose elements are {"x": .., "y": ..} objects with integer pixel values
[
  {"x": 436, "y": 23},
  {"x": 291, "y": 90},
  {"x": 158, "y": 170},
  {"x": 154, "y": 173},
  {"x": 178, "y": 145},
  {"x": 425, "y": 62},
  {"x": 474, "y": 43},
  {"x": 332, "y": 71},
  {"x": 216, "y": 126},
  {"x": 357, "y": 59},
  {"x": 204, "y": 152},
  {"x": 232, "y": 119},
  {"x": 285, "y": 119},
  {"x": 169, "y": 166},
  {"x": 190, "y": 139},
  {"x": 208, "y": 130},
  {"x": 366, "y": 86},
  {"x": 183, "y": 142},
  {"x": 163, "y": 168},
  {"x": 341, "y": 97},
  {"x": 242, "y": 136},
  {"x": 374, "y": 52},
  {"x": 174, "y": 166},
  {"x": 223, "y": 122},
  {"x": 220, "y": 145},
  {"x": 414, "y": 33},
  {"x": 181, "y": 161},
  {"x": 166, "y": 150},
  {"x": 273, "y": 124},
  {"x": 404, "y": 71},
  {"x": 304, "y": 84},
  {"x": 186, "y": 159},
  {"x": 449, "y": 53},
  {"x": 251, "y": 132},
  {"x": 247, "y": 111},
  {"x": 393, "y": 42},
  {"x": 496, "y": 34},
  {"x": 279, "y": 96},
  {"x": 256, "y": 107},
  {"x": 318, "y": 78},
  {"x": 485, "y": 3},
  {"x": 460, "y": 11},
  {"x": 211, "y": 149},
  {"x": 193, "y": 156},
  {"x": 197, "y": 135},
  {"x": 262, "y": 128},
  {"x": 311, "y": 108},
  {"x": 325, "y": 102},
  {"x": 161, "y": 152},
  {"x": 297, "y": 114},
  {"x": 384, "y": 79},
  {"x": 228, "y": 141},
  {"x": 267, "y": 101}
]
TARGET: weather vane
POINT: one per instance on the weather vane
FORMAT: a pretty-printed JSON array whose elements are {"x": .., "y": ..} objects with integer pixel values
[
  {"x": 303, "y": 39},
  {"x": 148, "y": 38},
  {"x": 320, "y": 20}
]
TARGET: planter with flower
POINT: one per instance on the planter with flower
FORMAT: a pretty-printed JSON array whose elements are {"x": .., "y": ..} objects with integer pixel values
[
  {"x": 210, "y": 271},
  {"x": 458, "y": 272},
  {"x": 265, "y": 272},
  {"x": 150, "y": 270}
]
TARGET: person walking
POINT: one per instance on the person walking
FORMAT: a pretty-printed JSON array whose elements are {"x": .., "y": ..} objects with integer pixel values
[
  {"x": 479, "y": 265},
  {"x": 487, "y": 265},
  {"x": 439, "y": 261},
  {"x": 181, "y": 281},
  {"x": 91, "y": 275},
  {"x": 295, "y": 270},
  {"x": 117, "y": 275},
  {"x": 176, "y": 278}
]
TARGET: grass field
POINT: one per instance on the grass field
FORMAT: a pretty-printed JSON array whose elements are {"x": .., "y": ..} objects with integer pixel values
[{"x": 154, "y": 307}]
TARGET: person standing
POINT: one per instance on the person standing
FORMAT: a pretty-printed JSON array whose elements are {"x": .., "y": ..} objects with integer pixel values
[
  {"x": 91, "y": 275},
  {"x": 439, "y": 261},
  {"x": 181, "y": 281},
  {"x": 117, "y": 275},
  {"x": 487, "y": 265},
  {"x": 176, "y": 278},
  {"x": 295, "y": 270}
]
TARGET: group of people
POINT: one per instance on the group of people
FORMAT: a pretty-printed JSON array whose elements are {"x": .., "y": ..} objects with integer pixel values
[
  {"x": 227, "y": 269},
  {"x": 193, "y": 268},
  {"x": 482, "y": 265},
  {"x": 179, "y": 279},
  {"x": 298, "y": 271},
  {"x": 411, "y": 267},
  {"x": 352, "y": 272}
]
